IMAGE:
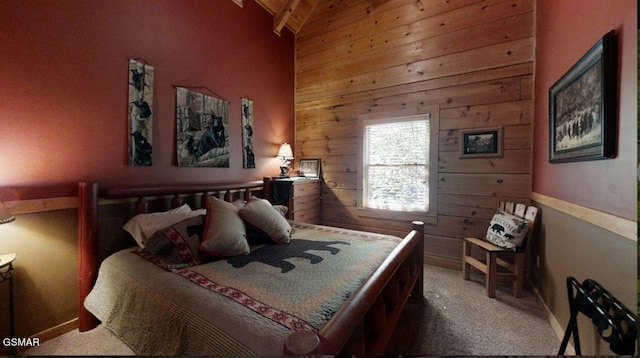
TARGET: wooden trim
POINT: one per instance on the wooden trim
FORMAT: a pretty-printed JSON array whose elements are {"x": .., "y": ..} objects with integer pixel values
[
  {"x": 40, "y": 205},
  {"x": 56, "y": 331},
  {"x": 620, "y": 226},
  {"x": 443, "y": 262},
  {"x": 280, "y": 18},
  {"x": 115, "y": 195},
  {"x": 555, "y": 325},
  {"x": 48, "y": 334},
  {"x": 395, "y": 215}
]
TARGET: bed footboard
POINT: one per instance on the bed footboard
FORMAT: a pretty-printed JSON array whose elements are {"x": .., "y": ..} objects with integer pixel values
[{"x": 365, "y": 323}]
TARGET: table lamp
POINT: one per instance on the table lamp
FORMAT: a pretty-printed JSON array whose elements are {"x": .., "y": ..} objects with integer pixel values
[
  {"x": 5, "y": 217},
  {"x": 286, "y": 154}
]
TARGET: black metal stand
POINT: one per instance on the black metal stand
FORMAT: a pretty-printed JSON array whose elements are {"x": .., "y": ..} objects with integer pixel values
[
  {"x": 615, "y": 323},
  {"x": 6, "y": 273}
]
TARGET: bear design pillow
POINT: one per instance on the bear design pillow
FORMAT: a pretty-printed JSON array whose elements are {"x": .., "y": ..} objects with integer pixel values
[{"x": 507, "y": 230}]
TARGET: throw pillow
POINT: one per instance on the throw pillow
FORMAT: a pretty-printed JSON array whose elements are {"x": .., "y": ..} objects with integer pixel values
[
  {"x": 177, "y": 245},
  {"x": 263, "y": 216},
  {"x": 256, "y": 236},
  {"x": 507, "y": 230},
  {"x": 224, "y": 232},
  {"x": 142, "y": 226}
]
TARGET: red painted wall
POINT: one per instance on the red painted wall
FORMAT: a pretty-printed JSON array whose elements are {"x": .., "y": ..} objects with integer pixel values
[
  {"x": 566, "y": 30},
  {"x": 64, "y": 75}
]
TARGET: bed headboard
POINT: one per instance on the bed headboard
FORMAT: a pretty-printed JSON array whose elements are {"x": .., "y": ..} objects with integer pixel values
[{"x": 90, "y": 197}]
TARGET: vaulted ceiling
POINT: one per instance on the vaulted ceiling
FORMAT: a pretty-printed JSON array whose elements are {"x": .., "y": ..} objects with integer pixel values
[{"x": 289, "y": 13}]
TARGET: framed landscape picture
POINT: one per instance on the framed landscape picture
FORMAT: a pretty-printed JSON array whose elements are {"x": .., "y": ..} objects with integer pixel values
[
  {"x": 582, "y": 106},
  {"x": 481, "y": 143}
]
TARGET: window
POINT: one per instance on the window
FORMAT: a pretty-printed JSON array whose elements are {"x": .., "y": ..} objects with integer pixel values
[{"x": 396, "y": 157}]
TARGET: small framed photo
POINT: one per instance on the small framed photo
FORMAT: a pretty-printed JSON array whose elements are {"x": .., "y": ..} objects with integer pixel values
[
  {"x": 582, "y": 106},
  {"x": 309, "y": 168},
  {"x": 481, "y": 143}
]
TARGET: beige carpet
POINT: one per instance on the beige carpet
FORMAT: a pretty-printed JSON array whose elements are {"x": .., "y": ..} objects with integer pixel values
[{"x": 456, "y": 318}]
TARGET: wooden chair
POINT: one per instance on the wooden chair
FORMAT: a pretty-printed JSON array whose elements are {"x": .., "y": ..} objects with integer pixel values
[{"x": 494, "y": 266}]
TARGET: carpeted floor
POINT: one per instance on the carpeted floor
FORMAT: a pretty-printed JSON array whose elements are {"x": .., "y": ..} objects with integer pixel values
[
  {"x": 458, "y": 319},
  {"x": 455, "y": 318}
]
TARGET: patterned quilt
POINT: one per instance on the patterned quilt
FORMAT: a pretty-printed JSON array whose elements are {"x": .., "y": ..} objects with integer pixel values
[{"x": 241, "y": 305}]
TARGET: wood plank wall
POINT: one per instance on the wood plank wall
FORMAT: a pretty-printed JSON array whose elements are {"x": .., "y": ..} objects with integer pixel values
[{"x": 471, "y": 60}]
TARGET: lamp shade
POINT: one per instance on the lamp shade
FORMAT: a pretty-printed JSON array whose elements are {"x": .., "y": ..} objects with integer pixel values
[
  {"x": 285, "y": 151},
  {"x": 5, "y": 215}
]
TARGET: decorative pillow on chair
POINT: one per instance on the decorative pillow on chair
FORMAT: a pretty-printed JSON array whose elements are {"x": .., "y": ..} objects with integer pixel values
[
  {"x": 178, "y": 244},
  {"x": 224, "y": 233},
  {"x": 142, "y": 226},
  {"x": 263, "y": 216},
  {"x": 507, "y": 230}
]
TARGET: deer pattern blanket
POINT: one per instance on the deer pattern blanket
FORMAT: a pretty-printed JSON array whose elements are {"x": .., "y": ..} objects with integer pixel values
[{"x": 240, "y": 305}]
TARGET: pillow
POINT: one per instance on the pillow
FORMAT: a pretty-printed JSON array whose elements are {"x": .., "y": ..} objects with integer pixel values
[
  {"x": 256, "y": 236},
  {"x": 282, "y": 209},
  {"x": 184, "y": 208},
  {"x": 224, "y": 232},
  {"x": 263, "y": 216},
  {"x": 177, "y": 245},
  {"x": 506, "y": 230},
  {"x": 142, "y": 226}
]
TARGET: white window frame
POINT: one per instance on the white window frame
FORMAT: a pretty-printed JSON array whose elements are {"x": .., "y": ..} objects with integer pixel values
[{"x": 366, "y": 120}]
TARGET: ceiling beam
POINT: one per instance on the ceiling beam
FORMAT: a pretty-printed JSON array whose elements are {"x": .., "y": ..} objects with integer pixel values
[
  {"x": 313, "y": 4},
  {"x": 281, "y": 17}
]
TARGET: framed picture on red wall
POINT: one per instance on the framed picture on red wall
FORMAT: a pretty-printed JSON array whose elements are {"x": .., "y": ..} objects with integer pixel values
[{"x": 582, "y": 106}]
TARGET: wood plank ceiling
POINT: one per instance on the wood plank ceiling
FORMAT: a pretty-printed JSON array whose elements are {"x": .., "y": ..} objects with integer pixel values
[{"x": 289, "y": 13}]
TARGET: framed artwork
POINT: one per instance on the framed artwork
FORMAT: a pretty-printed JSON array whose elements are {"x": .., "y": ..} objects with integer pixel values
[
  {"x": 139, "y": 113},
  {"x": 202, "y": 123},
  {"x": 309, "y": 168},
  {"x": 582, "y": 106},
  {"x": 249, "y": 158},
  {"x": 481, "y": 143}
]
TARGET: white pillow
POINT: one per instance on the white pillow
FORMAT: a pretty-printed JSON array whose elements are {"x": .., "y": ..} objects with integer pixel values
[{"x": 142, "y": 226}]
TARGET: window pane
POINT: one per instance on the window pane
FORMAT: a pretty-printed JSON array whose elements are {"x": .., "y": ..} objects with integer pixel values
[
  {"x": 402, "y": 188},
  {"x": 398, "y": 143}
]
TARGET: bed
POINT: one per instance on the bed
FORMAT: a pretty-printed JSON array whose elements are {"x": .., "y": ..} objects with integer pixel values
[{"x": 324, "y": 291}]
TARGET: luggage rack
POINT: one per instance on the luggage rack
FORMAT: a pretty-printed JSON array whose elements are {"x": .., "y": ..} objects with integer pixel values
[{"x": 615, "y": 323}]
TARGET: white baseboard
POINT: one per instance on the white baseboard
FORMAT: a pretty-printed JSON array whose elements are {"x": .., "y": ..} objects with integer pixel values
[{"x": 557, "y": 327}]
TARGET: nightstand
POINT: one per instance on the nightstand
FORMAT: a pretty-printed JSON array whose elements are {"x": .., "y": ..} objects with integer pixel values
[
  {"x": 303, "y": 198},
  {"x": 6, "y": 274}
]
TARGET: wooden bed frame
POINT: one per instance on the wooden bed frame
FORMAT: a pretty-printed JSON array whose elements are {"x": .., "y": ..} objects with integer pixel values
[{"x": 364, "y": 323}]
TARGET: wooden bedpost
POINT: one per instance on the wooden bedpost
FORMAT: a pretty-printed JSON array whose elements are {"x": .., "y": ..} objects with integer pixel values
[
  {"x": 418, "y": 288},
  {"x": 267, "y": 188},
  {"x": 302, "y": 343},
  {"x": 87, "y": 250}
]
